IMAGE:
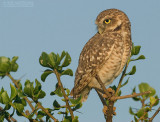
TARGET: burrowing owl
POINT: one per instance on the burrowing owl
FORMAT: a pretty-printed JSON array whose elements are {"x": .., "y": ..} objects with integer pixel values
[{"x": 105, "y": 54}]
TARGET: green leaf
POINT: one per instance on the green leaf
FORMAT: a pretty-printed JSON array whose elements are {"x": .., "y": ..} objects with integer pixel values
[
  {"x": 75, "y": 119},
  {"x": 18, "y": 113},
  {"x": 13, "y": 92},
  {"x": 45, "y": 74},
  {"x": 2, "y": 118},
  {"x": 119, "y": 93},
  {"x": 41, "y": 94},
  {"x": 19, "y": 107},
  {"x": 62, "y": 55},
  {"x": 113, "y": 87},
  {"x": 32, "y": 114},
  {"x": 19, "y": 93},
  {"x": 37, "y": 87},
  {"x": 58, "y": 59},
  {"x": 20, "y": 85},
  {"x": 132, "y": 72},
  {"x": 78, "y": 106},
  {"x": 2, "y": 90},
  {"x": 19, "y": 100},
  {"x": 53, "y": 58},
  {"x": 7, "y": 107},
  {"x": 40, "y": 114},
  {"x": 58, "y": 92},
  {"x": 56, "y": 105},
  {"x": 14, "y": 65},
  {"x": 157, "y": 102},
  {"x": 135, "y": 50},
  {"x": 131, "y": 111},
  {"x": 5, "y": 65},
  {"x": 67, "y": 72},
  {"x": 140, "y": 112},
  {"x": 23, "y": 101},
  {"x": 28, "y": 89},
  {"x": 152, "y": 100},
  {"x": 14, "y": 59},
  {"x": 68, "y": 92},
  {"x": 12, "y": 113},
  {"x": 135, "y": 98},
  {"x": 143, "y": 87},
  {"x": 44, "y": 59},
  {"x": 5, "y": 97},
  {"x": 52, "y": 93},
  {"x": 61, "y": 112},
  {"x": 139, "y": 58},
  {"x": 125, "y": 83},
  {"x": 76, "y": 101},
  {"x": 135, "y": 118},
  {"x": 67, "y": 60},
  {"x": 66, "y": 120}
]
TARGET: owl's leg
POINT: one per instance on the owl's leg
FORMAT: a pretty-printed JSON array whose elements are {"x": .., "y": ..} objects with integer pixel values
[{"x": 101, "y": 97}]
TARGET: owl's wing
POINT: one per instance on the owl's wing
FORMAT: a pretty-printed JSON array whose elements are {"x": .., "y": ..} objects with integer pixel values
[{"x": 94, "y": 54}]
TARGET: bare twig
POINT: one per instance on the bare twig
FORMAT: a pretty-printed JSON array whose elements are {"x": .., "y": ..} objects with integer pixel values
[
  {"x": 157, "y": 111},
  {"x": 64, "y": 94}
]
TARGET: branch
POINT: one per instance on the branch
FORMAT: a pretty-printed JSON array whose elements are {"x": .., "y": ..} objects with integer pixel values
[
  {"x": 151, "y": 119},
  {"x": 64, "y": 94},
  {"x": 21, "y": 113},
  {"x": 142, "y": 117},
  {"x": 46, "y": 111},
  {"x": 10, "y": 118},
  {"x": 121, "y": 79},
  {"x": 108, "y": 110},
  {"x": 16, "y": 84},
  {"x": 129, "y": 96},
  {"x": 102, "y": 86},
  {"x": 28, "y": 101}
]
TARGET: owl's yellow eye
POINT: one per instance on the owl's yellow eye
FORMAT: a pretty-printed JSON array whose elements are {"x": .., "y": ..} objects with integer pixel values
[{"x": 107, "y": 21}]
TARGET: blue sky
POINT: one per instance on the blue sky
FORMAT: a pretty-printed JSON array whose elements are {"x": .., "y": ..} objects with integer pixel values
[{"x": 29, "y": 27}]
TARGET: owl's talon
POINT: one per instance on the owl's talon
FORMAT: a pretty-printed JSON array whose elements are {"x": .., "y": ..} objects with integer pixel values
[
  {"x": 105, "y": 108},
  {"x": 114, "y": 108},
  {"x": 114, "y": 113},
  {"x": 105, "y": 96},
  {"x": 110, "y": 90}
]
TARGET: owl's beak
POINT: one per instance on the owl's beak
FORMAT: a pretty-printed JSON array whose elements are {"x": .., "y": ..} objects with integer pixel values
[{"x": 100, "y": 30}]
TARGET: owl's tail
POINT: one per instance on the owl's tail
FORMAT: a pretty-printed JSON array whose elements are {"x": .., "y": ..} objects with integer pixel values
[{"x": 84, "y": 94}]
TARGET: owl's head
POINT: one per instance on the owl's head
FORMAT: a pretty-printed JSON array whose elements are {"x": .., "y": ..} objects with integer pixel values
[{"x": 112, "y": 20}]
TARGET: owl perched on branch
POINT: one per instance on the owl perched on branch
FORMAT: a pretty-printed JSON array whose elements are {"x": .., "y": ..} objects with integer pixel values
[{"x": 105, "y": 54}]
